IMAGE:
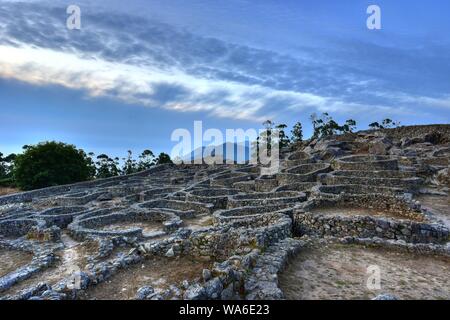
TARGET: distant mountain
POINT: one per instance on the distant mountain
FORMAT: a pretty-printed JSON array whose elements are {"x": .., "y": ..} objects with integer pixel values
[{"x": 209, "y": 151}]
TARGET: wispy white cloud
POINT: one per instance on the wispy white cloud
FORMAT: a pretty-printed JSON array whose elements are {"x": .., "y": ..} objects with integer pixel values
[
  {"x": 153, "y": 64},
  {"x": 135, "y": 84}
]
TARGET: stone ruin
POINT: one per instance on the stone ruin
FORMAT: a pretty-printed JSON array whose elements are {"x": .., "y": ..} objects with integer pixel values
[{"x": 226, "y": 232}]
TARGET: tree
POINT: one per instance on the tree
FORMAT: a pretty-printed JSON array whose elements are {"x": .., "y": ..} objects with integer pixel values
[
  {"x": 313, "y": 117},
  {"x": 264, "y": 141},
  {"x": 283, "y": 139},
  {"x": 50, "y": 164},
  {"x": 272, "y": 136},
  {"x": 2, "y": 167},
  {"x": 323, "y": 126},
  {"x": 163, "y": 158},
  {"x": 115, "y": 166},
  {"x": 326, "y": 126},
  {"x": 10, "y": 159},
  {"x": 6, "y": 170},
  {"x": 107, "y": 167},
  {"x": 129, "y": 165},
  {"x": 91, "y": 165},
  {"x": 297, "y": 132},
  {"x": 388, "y": 123},
  {"x": 349, "y": 126},
  {"x": 146, "y": 160},
  {"x": 375, "y": 125},
  {"x": 385, "y": 124}
]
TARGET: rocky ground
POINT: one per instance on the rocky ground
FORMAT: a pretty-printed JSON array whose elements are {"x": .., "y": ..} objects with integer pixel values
[
  {"x": 340, "y": 272},
  {"x": 336, "y": 207}
]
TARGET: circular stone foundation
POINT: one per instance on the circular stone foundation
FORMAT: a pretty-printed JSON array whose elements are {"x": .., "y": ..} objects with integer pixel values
[
  {"x": 245, "y": 213},
  {"x": 149, "y": 224}
]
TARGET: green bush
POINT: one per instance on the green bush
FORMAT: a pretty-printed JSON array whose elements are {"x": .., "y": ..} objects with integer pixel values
[
  {"x": 7, "y": 182},
  {"x": 50, "y": 164},
  {"x": 163, "y": 158}
]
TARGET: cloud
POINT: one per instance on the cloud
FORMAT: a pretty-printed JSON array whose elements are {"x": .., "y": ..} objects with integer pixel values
[{"x": 147, "y": 62}]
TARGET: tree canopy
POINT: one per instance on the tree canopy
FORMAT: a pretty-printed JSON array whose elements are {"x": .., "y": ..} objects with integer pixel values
[{"x": 50, "y": 164}]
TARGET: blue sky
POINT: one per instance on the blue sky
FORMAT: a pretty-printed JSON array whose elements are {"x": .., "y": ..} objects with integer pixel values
[{"x": 137, "y": 70}]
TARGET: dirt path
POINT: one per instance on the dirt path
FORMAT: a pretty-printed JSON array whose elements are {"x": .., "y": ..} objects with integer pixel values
[
  {"x": 72, "y": 258},
  {"x": 339, "y": 272},
  {"x": 157, "y": 272}
]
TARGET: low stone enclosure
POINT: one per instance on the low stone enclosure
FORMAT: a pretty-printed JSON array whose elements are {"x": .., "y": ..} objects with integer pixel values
[{"x": 336, "y": 207}]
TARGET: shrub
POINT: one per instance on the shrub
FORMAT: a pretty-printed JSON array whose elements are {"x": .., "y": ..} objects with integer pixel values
[
  {"x": 7, "y": 182},
  {"x": 163, "y": 158},
  {"x": 50, "y": 164}
]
